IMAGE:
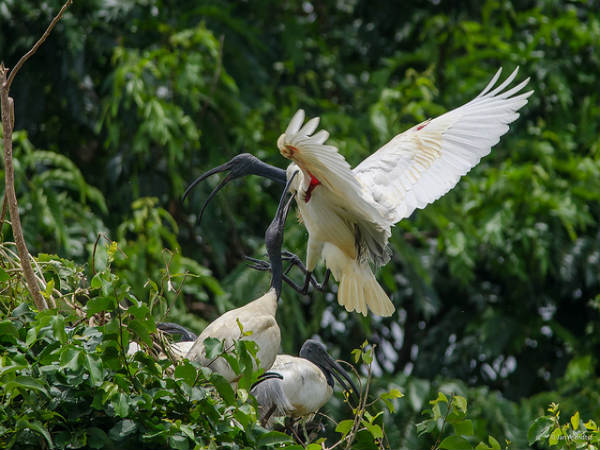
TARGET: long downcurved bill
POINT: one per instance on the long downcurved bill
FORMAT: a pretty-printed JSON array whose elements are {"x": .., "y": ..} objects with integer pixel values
[
  {"x": 224, "y": 181},
  {"x": 342, "y": 377}
]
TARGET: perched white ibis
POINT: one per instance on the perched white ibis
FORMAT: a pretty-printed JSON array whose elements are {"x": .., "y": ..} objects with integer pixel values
[
  {"x": 298, "y": 386},
  {"x": 349, "y": 212},
  {"x": 257, "y": 316}
]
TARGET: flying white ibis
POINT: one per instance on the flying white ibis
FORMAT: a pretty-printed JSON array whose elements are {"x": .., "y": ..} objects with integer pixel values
[
  {"x": 349, "y": 212},
  {"x": 297, "y": 386},
  {"x": 257, "y": 316}
]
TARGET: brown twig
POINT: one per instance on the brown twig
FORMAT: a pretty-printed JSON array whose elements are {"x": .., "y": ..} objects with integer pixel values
[
  {"x": 11, "y": 197},
  {"x": 37, "y": 45},
  {"x": 8, "y": 122}
]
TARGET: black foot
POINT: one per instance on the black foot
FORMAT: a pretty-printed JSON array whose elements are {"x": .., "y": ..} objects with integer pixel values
[{"x": 295, "y": 261}]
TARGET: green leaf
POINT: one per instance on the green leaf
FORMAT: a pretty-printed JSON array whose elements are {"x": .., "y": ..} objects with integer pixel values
[
  {"x": 440, "y": 398},
  {"x": 8, "y": 329},
  {"x": 493, "y": 443},
  {"x": 374, "y": 429},
  {"x": 426, "y": 426},
  {"x": 96, "y": 282},
  {"x": 12, "y": 368},
  {"x": 69, "y": 357},
  {"x": 26, "y": 383},
  {"x": 31, "y": 337},
  {"x": 344, "y": 427},
  {"x": 461, "y": 403},
  {"x": 179, "y": 442},
  {"x": 96, "y": 438},
  {"x": 58, "y": 327},
  {"x": 539, "y": 429},
  {"x": 121, "y": 405},
  {"x": 213, "y": 347},
  {"x": 273, "y": 438},
  {"x": 122, "y": 429},
  {"x": 4, "y": 276},
  {"x": 37, "y": 427},
  {"x": 313, "y": 447},
  {"x": 140, "y": 329},
  {"x": 553, "y": 439},
  {"x": 98, "y": 304},
  {"x": 223, "y": 387},
  {"x": 187, "y": 372},
  {"x": 455, "y": 443},
  {"x": 463, "y": 427},
  {"x": 94, "y": 367},
  {"x": 575, "y": 420}
]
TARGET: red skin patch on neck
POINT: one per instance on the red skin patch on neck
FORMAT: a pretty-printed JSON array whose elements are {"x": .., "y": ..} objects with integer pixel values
[
  {"x": 422, "y": 126},
  {"x": 311, "y": 187}
]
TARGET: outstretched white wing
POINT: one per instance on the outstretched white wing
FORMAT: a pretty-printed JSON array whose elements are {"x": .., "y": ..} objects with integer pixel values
[{"x": 420, "y": 165}]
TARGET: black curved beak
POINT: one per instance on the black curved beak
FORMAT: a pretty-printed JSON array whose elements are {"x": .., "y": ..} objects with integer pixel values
[
  {"x": 342, "y": 377},
  {"x": 315, "y": 352},
  {"x": 240, "y": 165},
  {"x": 224, "y": 181}
]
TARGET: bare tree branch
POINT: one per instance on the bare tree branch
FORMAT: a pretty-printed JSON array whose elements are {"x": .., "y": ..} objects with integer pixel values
[{"x": 8, "y": 122}]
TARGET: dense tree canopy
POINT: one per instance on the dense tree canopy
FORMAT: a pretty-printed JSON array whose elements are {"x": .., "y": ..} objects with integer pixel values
[{"x": 496, "y": 284}]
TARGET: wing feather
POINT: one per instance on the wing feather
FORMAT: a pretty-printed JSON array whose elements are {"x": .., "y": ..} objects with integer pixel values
[{"x": 420, "y": 165}]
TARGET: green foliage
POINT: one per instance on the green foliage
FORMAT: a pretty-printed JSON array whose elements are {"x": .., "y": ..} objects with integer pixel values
[
  {"x": 453, "y": 412},
  {"x": 571, "y": 435},
  {"x": 76, "y": 386},
  {"x": 59, "y": 207},
  {"x": 148, "y": 252}
]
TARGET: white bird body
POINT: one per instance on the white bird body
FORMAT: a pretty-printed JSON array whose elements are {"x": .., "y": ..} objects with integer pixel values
[
  {"x": 298, "y": 386},
  {"x": 258, "y": 317},
  {"x": 180, "y": 349},
  {"x": 303, "y": 389},
  {"x": 349, "y": 213}
]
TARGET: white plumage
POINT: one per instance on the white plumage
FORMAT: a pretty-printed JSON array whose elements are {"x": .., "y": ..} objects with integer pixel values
[
  {"x": 349, "y": 213},
  {"x": 303, "y": 389},
  {"x": 257, "y": 316},
  {"x": 298, "y": 386}
]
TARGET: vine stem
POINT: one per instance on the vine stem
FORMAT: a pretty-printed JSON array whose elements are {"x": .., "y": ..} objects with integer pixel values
[{"x": 8, "y": 123}]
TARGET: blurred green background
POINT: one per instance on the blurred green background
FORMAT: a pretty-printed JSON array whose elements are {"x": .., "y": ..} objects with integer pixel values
[{"x": 496, "y": 285}]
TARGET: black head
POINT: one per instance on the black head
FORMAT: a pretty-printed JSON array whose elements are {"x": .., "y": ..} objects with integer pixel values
[
  {"x": 174, "y": 328},
  {"x": 238, "y": 166},
  {"x": 316, "y": 353}
]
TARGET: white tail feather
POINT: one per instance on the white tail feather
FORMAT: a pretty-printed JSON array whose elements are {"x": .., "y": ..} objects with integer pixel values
[{"x": 360, "y": 290}]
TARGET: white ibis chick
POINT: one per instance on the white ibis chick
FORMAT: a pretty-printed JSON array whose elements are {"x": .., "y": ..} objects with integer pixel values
[
  {"x": 303, "y": 384},
  {"x": 258, "y": 316}
]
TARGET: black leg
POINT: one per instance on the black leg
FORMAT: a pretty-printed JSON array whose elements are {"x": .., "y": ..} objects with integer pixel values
[
  {"x": 267, "y": 416},
  {"x": 309, "y": 280}
]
